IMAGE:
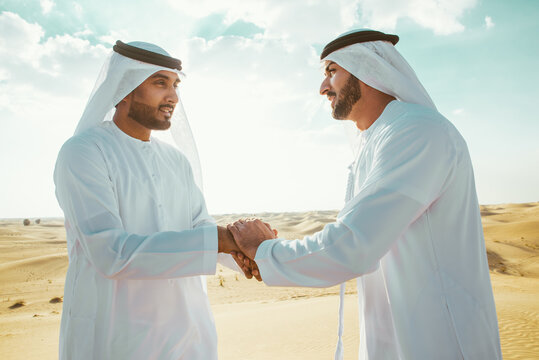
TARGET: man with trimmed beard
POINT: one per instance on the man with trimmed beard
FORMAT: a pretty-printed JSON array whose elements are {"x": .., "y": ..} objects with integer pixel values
[
  {"x": 410, "y": 230},
  {"x": 139, "y": 236}
]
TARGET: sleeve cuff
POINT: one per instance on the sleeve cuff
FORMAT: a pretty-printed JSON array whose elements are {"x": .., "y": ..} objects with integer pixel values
[
  {"x": 228, "y": 261},
  {"x": 209, "y": 234},
  {"x": 263, "y": 260},
  {"x": 263, "y": 251}
]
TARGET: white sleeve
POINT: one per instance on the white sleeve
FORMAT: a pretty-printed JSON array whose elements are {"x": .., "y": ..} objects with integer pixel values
[
  {"x": 86, "y": 194},
  {"x": 410, "y": 170},
  {"x": 228, "y": 261}
]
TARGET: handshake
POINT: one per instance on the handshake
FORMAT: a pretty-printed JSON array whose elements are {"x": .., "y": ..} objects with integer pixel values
[{"x": 241, "y": 240}]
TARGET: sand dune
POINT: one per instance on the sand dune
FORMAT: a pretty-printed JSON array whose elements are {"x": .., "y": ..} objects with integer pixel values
[
  {"x": 512, "y": 237},
  {"x": 255, "y": 321}
]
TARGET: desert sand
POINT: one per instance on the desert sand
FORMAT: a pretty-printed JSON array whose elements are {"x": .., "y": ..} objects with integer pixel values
[{"x": 253, "y": 320}]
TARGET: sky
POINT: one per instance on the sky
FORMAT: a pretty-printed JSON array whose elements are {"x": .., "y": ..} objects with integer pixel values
[{"x": 266, "y": 138}]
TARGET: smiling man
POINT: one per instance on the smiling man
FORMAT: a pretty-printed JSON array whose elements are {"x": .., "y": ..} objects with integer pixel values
[
  {"x": 138, "y": 233},
  {"x": 156, "y": 110},
  {"x": 410, "y": 230}
]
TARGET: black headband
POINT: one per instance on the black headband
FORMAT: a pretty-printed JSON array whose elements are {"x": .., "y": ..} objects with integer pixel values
[
  {"x": 146, "y": 56},
  {"x": 357, "y": 37}
]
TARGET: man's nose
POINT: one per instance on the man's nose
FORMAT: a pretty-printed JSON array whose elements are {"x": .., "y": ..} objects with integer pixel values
[
  {"x": 173, "y": 95},
  {"x": 324, "y": 87}
]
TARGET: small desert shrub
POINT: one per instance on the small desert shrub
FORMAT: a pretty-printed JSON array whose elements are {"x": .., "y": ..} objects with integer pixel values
[{"x": 18, "y": 304}]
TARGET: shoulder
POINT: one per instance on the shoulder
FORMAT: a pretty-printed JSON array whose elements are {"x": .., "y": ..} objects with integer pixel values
[
  {"x": 84, "y": 147},
  {"x": 417, "y": 118},
  {"x": 412, "y": 122},
  {"x": 415, "y": 132}
]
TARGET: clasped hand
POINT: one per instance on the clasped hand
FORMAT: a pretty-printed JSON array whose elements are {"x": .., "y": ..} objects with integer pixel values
[{"x": 248, "y": 235}]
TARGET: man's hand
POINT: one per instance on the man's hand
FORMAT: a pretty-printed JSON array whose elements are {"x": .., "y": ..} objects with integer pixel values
[
  {"x": 250, "y": 234},
  {"x": 227, "y": 245},
  {"x": 226, "y": 242}
]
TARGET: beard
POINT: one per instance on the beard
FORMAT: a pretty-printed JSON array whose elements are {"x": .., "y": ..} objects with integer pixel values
[
  {"x": 348, "y": 96},
  {"x": 146, "y": 116}
]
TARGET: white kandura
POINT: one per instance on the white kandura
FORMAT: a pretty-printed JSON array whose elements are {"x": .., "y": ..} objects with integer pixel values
[
  {"x": 139, "y": 238},
  {"x": 411, "y": 233}
]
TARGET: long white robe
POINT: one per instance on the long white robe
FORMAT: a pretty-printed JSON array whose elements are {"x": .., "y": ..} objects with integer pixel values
[
  {"x": 139, "y": 238},
  {"x": 412, "y": 233}
]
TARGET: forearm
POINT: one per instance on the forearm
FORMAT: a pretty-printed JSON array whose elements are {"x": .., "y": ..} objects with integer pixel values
[
  {"x": 343, "y": 250},
  {"x": 312, "y": 261},
  {"x": 117, "y": 254}
]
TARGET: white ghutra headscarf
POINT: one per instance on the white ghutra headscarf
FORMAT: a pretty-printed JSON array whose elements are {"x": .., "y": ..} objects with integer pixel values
[
  {"x": 120, "y": 75},
  {"x": 378, "y": 64}
]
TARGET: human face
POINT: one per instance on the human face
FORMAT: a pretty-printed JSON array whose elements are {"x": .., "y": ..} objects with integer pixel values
[
  {"x": 152, "y": 102},
  {"x": 341, "y": 88}
]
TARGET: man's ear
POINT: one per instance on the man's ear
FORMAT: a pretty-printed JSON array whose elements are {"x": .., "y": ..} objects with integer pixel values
[
  {"x": 124, "y": 101},
  {"x": 127, "y": 98}
]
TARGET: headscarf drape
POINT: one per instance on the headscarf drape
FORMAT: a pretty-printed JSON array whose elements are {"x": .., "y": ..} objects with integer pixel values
[{"x": 119, "y": 76}]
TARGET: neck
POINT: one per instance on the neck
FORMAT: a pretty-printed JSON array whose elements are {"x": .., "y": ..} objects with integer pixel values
[
  {"x": 131, "y": 127},
  {"x": 369, "y": 107},
  {"x": 365, "y": 116}
]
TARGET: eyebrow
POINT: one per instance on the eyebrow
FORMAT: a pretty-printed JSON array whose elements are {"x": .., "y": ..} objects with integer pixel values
[
  {"x": 328, "y": 65},
  {"x": 161, "y": 76}
]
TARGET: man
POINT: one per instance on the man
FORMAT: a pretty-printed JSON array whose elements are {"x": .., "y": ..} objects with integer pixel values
[
  {"x": 138, "y": 233},
  {"x": 410, "y": 230}
]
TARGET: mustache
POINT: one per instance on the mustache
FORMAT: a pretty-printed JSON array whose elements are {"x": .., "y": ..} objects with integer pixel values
[{"x": 331, "y": 93}]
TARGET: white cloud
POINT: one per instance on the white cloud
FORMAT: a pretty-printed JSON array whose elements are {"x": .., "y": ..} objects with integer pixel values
[
  {"x": 62, "y": 65},
  {"x": 83, "y": 33},
  {"x": 112, "y": 36},
  {"x": 18, "y": 39},
  {"x": 320, "y": 20},
  {"x": 4, "y": 75},
  {"x": 295, "y": 21},
  {"x": 488, "y": 22},
  {"x": 45, "y": 83},
  {"x": 30, "y": 60},
  {"x": 77, "y": 9},
  {"x": 46, "y": 6},
  {"x": 441, "y": 16},
  {"x": 457, "y": 112}
]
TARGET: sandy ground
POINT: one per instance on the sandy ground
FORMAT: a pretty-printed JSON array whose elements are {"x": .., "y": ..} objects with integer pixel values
[{"x": 255, "y": 321}]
